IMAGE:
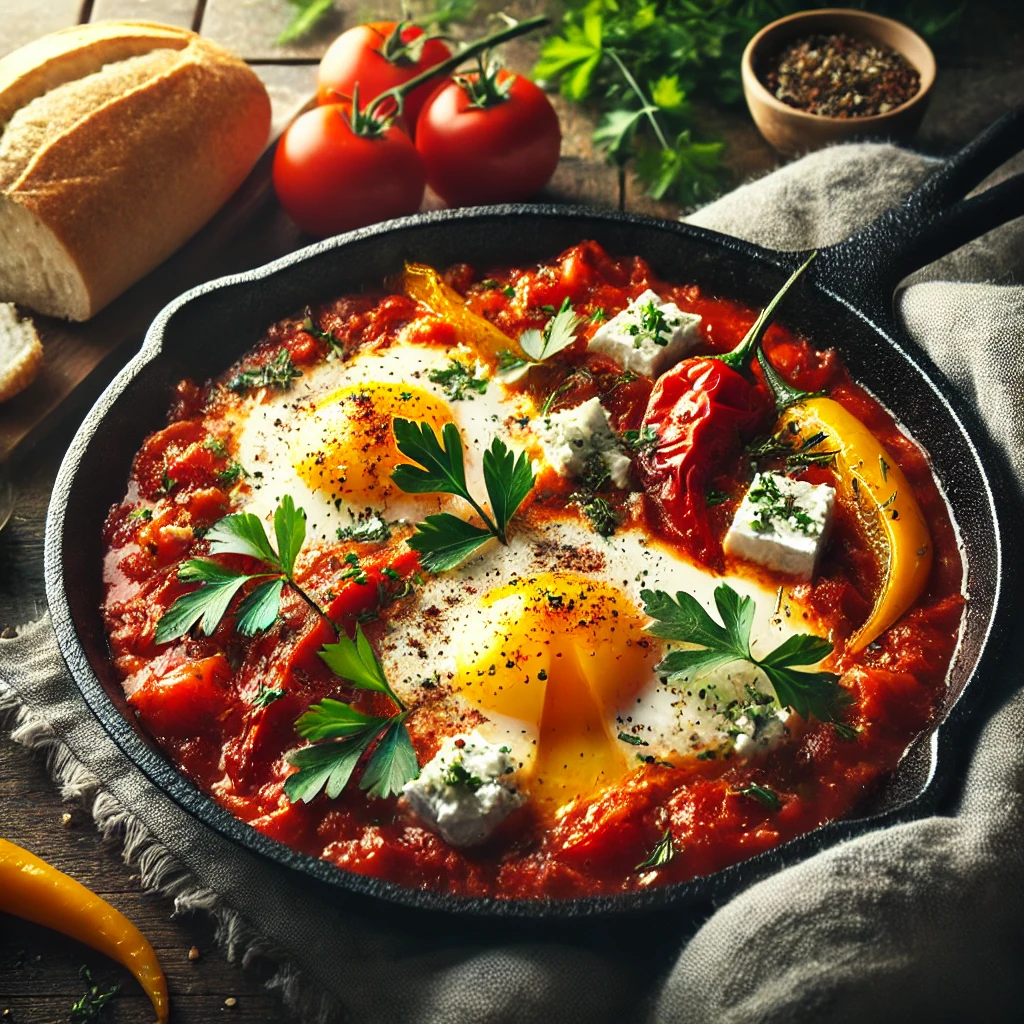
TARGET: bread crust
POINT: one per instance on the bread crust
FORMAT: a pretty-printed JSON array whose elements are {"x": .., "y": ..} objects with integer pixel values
[
  {"x": 21, "y": 352},
  {"x": 135, "y": 177}
]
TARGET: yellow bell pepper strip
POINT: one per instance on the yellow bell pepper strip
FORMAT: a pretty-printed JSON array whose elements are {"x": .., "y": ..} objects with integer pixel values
[
  {"x": 874, "y": 486},
  {"x": 424, "y": 284},
  {"x": 36, "y": 891}
]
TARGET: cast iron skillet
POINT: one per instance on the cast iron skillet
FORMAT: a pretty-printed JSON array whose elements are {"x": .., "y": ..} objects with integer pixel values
[{"x": 845, "y": 301}]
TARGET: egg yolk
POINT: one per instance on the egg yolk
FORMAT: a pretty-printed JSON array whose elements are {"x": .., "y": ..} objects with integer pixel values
[
  {"x": 347, "y": 450},
  {"x": 561, "y": 651}
]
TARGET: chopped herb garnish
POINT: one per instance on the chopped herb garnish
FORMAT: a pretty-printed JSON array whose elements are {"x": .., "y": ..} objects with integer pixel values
[
  {"x": 763, "y": 795},
  {"x": 713, "y": 497},
  {"x": 279, "y": 372},
  {"x": 217, "y": 446},
  {"x": 604, "y": 519},
  {"x": 458, "y": 775},
  {"x": 598, "y": 316},
  {"x": 266, "y": 696},
  {"x": 649, "y": 323},
  {"x": 847, "y": 733},
  {"x": 684, "y": 619},
  {"x": 509, "y": 360},
  {"x": 456, "y": 379},
  {"x": 627, "y": 737},
  {"x": 796, "y": 451},
  {"x": 884, "y": 467},
  {"x": 664, "y": 850},
  {"x": 144, "y": 514},
  {"x": 773, "y": 505},
  {"x": 640, "y": 440},
  {"x": 167, "y": 485},
  {"x": 311, "y": 328},
  {"x": 367, "y": 531},
  {"x": 509, "y": 291},
  {"x": 231, "y": 474},
  {"x": 707, "y": 755}
]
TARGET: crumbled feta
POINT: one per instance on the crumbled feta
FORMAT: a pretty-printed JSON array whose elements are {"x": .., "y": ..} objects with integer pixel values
[
  {"x": 465, "y": 791},
  {"x": 759, "y": 729},
  {"x": 648, "y": 336},
  {"x": 783, "y": 524},
  {"x": 572, "y": 437}
]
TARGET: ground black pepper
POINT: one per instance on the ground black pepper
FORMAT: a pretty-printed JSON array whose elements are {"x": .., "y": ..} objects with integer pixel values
[{"x": 840, "y": 76}]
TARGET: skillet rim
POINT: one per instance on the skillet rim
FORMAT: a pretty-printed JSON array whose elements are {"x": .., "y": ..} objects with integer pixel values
[{"x": 200, "y": 806}]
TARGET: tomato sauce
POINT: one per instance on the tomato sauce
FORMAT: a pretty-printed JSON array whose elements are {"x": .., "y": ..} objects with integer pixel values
[{"x": 204, "y": 699}]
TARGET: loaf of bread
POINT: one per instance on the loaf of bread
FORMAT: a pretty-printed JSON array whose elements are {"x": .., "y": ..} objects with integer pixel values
[{"x": 120, "y": 140}]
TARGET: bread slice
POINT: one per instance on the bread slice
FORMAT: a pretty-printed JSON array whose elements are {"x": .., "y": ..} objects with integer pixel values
[
  {"x": 120, "y": 141},
  {"x": 21, "y": 352}
]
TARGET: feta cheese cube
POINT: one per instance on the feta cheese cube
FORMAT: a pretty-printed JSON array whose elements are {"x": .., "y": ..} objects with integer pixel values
[
  {"x": 572, "y": 437},
  {"x": 465, "y": 792},
  {"x": 760, "y": 729},
  {"x": 648, "y": 336},
  {"x": 783, "y": 524}
]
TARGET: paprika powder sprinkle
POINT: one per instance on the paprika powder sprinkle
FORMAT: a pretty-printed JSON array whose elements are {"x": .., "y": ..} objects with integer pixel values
[{"x": 840, "y": 76}]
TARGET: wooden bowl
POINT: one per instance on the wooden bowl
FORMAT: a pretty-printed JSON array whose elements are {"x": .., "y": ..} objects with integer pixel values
[{"x": 793, "y": 131}]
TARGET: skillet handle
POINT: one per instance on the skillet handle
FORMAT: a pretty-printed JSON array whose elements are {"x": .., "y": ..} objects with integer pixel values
[{"x": 932, "y": 221}]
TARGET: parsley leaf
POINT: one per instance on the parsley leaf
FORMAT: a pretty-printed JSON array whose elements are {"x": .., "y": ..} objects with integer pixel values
[
  {"x": 441, "y": 464},
  {"x": 279, "y": 372},
  {"x": 664, "y": 850},
  {"x": 392, "y": 764},
  {"x": 205, "y": 606},
  {"x": 508, "y": 480},
  {"x": 558, "y": 333},
  {"x": 258, "y": 610},
  {"x": 445, "y": 541},
  {"x": 290, "y": 531},
  {"x": 241, "y": 533},
  {"x": 326, "y": 766},
  {"x": 457, "y": 379},
  {"x": 333, "y": 719},
  {"x": 684, "y": 619},
  {"x": 355, "y": 661}
]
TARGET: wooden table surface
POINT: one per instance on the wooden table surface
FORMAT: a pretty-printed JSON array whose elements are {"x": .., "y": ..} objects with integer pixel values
[{"x": 981, "y": 76}]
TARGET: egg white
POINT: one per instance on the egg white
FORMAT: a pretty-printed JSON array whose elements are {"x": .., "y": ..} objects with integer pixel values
[
  {"x": 426, "y": 632},
  {"x": 273, "y": 420}
]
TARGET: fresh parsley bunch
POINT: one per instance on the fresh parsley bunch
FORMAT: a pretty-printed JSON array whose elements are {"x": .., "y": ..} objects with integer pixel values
[
  {"x": 640, "y": 64},
  {"x": 683, "y": 618}
]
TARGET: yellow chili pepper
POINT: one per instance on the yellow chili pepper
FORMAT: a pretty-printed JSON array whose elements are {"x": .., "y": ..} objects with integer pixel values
[
  {"x": 425, "y": 285},
  {"x": 876, "y": 487},
  {"x": 36, "y": 891}
]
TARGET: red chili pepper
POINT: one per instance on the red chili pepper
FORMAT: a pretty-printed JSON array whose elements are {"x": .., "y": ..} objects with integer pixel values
[{"x": 702, "y": 410}]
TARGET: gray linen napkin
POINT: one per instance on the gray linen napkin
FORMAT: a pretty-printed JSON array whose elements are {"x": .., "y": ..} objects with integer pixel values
[{"x": 923, "y": 920}]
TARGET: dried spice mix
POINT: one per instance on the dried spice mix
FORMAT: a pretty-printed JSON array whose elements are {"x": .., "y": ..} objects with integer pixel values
[{"x": 840, "y": 76}]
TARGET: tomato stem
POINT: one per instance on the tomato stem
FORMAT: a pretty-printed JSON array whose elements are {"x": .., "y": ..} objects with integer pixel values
[{"x": 373, "y": 112}]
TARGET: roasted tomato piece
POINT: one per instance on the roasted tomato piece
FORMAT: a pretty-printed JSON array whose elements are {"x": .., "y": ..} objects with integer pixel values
[{"x": 187, "y": 701}]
